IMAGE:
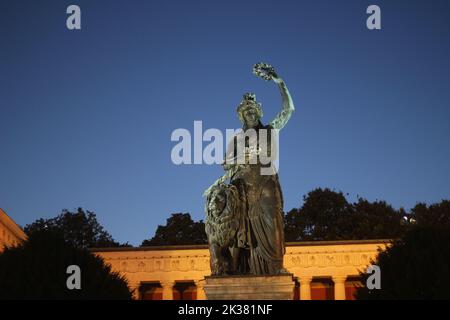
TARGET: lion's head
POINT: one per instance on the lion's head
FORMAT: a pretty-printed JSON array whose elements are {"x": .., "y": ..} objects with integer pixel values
[{"x": 222, "y": 214}]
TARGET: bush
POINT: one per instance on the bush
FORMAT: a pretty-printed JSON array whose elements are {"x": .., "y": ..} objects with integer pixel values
[
  {"x": 414, "y": 267},
  {"x": 37, "y": 268}
]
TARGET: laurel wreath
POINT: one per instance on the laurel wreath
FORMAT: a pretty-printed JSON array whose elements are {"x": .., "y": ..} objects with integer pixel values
[{"x": 263, "y": 70}]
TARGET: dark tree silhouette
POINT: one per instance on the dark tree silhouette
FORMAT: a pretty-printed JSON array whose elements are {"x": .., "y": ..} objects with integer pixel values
[
  {"x": 327, "y": 215},
  {"x": 324, "y": 215},
  {"x": 37, "y": 269},
  {"x": 80, "y": 228},
  {"x": 415, "y": 267},
  {"x": 437, "y": 214},
  {"x": 377, "y": 220},
  {"x": 180, "y": 229}
]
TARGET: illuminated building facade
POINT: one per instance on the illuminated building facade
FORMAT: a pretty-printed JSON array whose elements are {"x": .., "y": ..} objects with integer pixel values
[{"x": 322, "y": 270}]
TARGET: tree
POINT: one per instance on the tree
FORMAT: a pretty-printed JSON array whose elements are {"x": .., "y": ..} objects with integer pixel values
[
  {"x": 37, "y": 269},
  {"x": 437, "y": 214},
  {"x": 327, "y": 215},
  {"x": 180, "y": 229},
  {"x": 377, "y": 220},
  {"x": 80, "y": 228},
  {"x": 414, "y": 267}
]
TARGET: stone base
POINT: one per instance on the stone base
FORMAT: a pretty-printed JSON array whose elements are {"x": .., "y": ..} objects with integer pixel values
[{"x": 249, "y": 287}]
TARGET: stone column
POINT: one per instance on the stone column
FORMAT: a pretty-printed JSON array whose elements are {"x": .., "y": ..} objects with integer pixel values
[
  {"x": 339, "y": 287},
  {"x": 305, "y": 288},
  {"x": 200, "y": 284},
  {"x": 167, "y": 286}
]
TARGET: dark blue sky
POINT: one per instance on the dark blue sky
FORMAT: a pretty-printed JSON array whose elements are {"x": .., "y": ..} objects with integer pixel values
[{"x": 86, "y": 116}]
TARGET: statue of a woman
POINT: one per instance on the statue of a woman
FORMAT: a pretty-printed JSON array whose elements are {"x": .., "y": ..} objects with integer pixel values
[{"x": 259, "y": 248}]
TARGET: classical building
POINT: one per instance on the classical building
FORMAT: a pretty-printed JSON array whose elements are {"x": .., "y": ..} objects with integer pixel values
[
  {"x": 323, "y": 270},
  {"x": 10, "y": 233}
]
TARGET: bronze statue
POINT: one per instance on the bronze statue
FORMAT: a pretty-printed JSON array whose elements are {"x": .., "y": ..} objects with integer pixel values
[{"x": 252, "y": 239}]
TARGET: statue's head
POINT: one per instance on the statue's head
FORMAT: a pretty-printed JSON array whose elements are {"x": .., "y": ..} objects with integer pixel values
[{"x": 249, "y": 111}]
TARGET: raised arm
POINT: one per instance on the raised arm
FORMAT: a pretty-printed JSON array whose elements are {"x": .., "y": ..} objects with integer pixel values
[{"x": 287, "y": 105}]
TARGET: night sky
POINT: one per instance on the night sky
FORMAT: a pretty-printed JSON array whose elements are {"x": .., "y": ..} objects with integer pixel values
[{"x": 86, "y": 116}]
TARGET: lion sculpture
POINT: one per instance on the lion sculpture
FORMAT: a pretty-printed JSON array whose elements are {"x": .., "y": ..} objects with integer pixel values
[{"x": 222, "y": 224}]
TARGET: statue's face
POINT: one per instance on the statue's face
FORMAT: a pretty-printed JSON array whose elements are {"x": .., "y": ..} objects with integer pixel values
[
  {"x": 251, "y": 117},
  {"x": 218, "y": 202}
]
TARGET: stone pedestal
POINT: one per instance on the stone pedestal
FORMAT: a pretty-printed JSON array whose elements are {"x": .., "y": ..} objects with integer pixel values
[{"x": 248, "y": 287}]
